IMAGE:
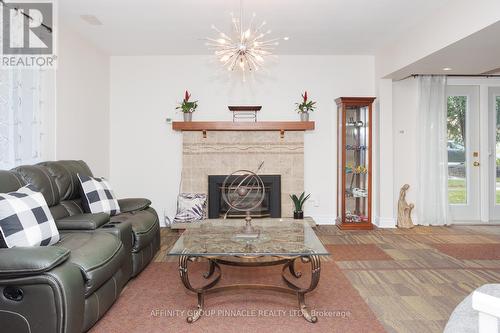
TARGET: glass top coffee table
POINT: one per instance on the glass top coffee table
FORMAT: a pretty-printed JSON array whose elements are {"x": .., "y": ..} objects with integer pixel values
[{"x": 271, "y": 242}]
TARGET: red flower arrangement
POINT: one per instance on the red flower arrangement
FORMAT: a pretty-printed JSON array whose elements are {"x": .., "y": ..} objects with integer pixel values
[
  {"x": 305, "y": 106},
  {"x": 186, "y": 106}
]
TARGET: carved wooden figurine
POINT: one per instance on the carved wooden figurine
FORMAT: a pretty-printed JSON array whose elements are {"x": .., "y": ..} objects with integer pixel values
[{"x": 404, "y": 209}]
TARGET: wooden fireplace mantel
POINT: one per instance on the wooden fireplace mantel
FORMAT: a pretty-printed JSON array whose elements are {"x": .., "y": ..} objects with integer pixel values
[{"x": 243, "y": 126}]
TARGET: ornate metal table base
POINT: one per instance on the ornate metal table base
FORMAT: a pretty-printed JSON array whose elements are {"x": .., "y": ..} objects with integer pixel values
[{"x": 287, "y": 262}]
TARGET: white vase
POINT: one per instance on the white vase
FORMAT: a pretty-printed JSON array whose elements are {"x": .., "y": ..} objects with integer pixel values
[
  {"x": 188, "y": 116},
  {"x": 304, "y": 116}
]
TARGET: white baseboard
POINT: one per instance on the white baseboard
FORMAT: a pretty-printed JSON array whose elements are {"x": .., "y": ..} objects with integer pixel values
[
  {"x": 324, "y": 219},
  {"x": 385, "y": 222}
]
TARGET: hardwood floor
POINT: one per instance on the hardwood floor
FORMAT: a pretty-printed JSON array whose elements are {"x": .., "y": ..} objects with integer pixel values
[{"x": 411, "y": 279}]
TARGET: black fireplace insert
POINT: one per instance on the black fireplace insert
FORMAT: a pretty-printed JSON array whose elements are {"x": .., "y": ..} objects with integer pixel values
[{"x": 270, "y": 206}]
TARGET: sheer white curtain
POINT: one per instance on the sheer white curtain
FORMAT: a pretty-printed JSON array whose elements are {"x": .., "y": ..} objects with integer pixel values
[
  {"x": 20, "y": 112},
  {"x": 20, "y": 117},
  {"x": 432, "y": 202}
]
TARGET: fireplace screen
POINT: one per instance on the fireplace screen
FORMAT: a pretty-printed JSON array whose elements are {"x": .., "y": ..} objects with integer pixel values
[
  {"x": 270, "y": 206},
  {"x": 262, "y": 211}
]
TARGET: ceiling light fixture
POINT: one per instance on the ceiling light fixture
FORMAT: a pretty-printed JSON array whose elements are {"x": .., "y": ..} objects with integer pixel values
[
  {"x": 91, "y": 19},
  {"x": 243, "y": 48},
  {"x": 447, "y": 69}
]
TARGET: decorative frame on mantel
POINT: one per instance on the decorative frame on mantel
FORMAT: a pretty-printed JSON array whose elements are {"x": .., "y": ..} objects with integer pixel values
[
  {"x": 245, "y": 112},
  {"x": 281, "y": 126}
]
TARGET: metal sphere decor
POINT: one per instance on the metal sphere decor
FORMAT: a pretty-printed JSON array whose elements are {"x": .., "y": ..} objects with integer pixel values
[{"x": 243, "y": 191}]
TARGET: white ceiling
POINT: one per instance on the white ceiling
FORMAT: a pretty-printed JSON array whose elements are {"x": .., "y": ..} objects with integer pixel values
[
  {"x": 478, "y": 53},
  {"x": 156, "y": 27}
]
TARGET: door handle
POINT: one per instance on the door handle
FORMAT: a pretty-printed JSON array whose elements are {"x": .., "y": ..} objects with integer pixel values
[{"x": 476, "y": 164}]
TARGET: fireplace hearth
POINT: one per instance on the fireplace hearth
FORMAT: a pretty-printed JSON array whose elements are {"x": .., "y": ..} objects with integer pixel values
[{"x": 270, "y": 207}]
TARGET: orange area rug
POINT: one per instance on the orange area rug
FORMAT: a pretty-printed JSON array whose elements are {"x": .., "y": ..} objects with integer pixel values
[{"x": 156, "y": 301}]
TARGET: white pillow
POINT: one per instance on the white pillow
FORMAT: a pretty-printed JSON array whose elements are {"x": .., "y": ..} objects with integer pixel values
[
  {"x": 25, "y": 219},
  {"x": 97, "y": 196},
  {"x": 190, "y": 207}
]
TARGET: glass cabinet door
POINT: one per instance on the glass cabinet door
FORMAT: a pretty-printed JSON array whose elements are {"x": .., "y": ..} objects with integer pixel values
[{"x": 356, "y": 164}]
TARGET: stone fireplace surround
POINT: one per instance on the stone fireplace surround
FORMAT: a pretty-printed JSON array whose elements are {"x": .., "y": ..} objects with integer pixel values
[{"x": 223, "y": 152}]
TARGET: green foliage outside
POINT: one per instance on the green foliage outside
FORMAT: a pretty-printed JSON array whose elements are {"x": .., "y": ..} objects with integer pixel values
[
  {"x": 457, "y": 191},
  {"x": 457, "y": 106}
]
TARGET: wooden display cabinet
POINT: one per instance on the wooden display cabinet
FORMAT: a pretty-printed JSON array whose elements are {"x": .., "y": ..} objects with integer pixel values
[{"x": 354, "y": 175}]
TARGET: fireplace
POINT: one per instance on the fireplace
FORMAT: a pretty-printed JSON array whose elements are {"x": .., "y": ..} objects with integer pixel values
[{"x": 270, "y": 207}]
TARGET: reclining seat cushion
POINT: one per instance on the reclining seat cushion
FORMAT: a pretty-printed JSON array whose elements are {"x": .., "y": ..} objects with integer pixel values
[
  {"x": 145, "y": 225},
  {"x": 99, "y": 255}
]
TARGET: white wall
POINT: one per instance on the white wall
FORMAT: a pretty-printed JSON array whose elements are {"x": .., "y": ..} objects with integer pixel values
[
  {"x": 405, "y": 105},
  {"x": 395, "y": 153},
  {"x": 82, "y": 102},
  {"x": 146, "y": 153},
  {"x": 383, "y": 197}
]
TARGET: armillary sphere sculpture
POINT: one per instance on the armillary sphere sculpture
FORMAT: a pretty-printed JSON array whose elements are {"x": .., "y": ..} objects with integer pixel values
[{"x": 244, "y": 191}]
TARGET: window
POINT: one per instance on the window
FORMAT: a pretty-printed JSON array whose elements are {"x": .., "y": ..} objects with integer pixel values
[{"x": 20, "y": 117}]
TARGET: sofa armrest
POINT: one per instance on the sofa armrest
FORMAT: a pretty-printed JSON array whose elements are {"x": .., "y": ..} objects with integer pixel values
[
  {"x": 25, "y": 261},
  {"x": 82, "y": 221},
  {"x": 133, "y": 204}
]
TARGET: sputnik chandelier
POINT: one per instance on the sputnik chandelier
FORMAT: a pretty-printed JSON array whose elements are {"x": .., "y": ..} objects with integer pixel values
[{"x": 243, "y": 49}]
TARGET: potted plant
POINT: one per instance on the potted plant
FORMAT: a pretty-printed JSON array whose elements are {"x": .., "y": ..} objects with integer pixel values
[
  {"x": 298, "y": 202},
  {"x": 305, "y": 107},
  {"x": 187, "y": 107}
]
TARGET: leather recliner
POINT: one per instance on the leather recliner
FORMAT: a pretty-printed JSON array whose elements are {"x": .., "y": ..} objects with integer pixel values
[{"x": 69, "y": 286}]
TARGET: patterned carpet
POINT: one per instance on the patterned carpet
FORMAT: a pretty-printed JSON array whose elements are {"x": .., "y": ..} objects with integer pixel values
[{"x": 411, "y": 279}]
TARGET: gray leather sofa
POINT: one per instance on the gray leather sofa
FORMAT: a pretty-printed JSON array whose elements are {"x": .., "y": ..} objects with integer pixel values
[{"x": 69, "y": 286}]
